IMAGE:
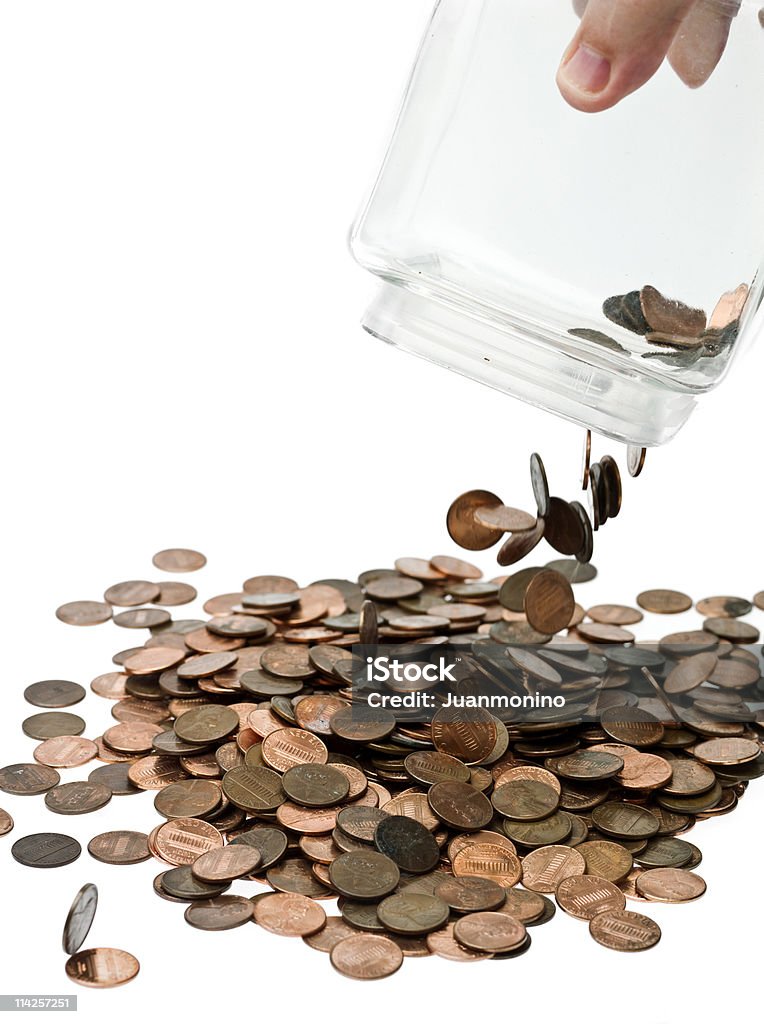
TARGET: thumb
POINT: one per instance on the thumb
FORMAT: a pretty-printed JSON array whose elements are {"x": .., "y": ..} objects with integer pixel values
[{"x": 619, "y": 45}]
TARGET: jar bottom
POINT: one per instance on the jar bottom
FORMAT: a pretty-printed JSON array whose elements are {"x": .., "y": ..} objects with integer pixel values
[{"x": 626, "y": 406}]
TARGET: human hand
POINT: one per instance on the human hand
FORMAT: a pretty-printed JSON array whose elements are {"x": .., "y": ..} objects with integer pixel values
[{"x": 620, "y": 44}]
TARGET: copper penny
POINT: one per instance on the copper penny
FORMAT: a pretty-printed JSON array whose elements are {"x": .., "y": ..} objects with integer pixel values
[
  {"x": 549, "y": 602},
  {"x": 6, "y": 822},
  {"x": 101, "y": 967},
  {"x": 182, "y": 841},
  {"x": 463, "y": 527},
  {"x": 131, "y": 593},
  {"x": 142, "y": 618},
  {"x": 110, "y": 685},
  {"x": 545, "y": 868},
  {"x": 489, "y": 932},
  {"x": 121, "y": 847},
  {"x": 179, "y": 560},
  {"x": 664, "y": 602},
  {"x": 625, "y": 931},
  {"x": 467, "y": 734},
  {"x": 84, "y": 613},
  {"x": 173, "y": 593},
  {"x": 443, "y": 943},
  {"x": 227, "y": 863},
  {"x": 284, "y": 748},
  {"x": 488, "y": 860},
  {"x": 455, "y": 567},
  {"x": 77, "y": 797},
  {"x": 132, "y": 737},
  {"x": 65, "y": 751},
  {"x": 504, "y": 518},
  {"x": 606, "y": 860},
  {"x": 153, "y": 659},
  {"x": 366, "y": 957},
  {"x": 670, "y": 885},
  {"x": 585, "y": 896}
]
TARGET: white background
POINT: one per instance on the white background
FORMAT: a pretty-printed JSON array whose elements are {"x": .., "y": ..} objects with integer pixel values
[{"x": 183, "y": 365}]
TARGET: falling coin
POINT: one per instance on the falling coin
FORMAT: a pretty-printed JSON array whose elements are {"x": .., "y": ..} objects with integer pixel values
[
  {"x": 102, "y": 967},
  {"x": 80, "y": 918}
]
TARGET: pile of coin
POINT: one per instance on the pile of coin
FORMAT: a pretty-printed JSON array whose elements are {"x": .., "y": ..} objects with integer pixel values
[
  {"x": 444, "y": 836},
  {"x": 479, "y": 519},
  {"x": 680, "y": 336}
]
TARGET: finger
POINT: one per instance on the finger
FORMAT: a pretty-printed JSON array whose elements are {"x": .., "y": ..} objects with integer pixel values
[
  {"x": 619, "y": 45},
  {"x": 701, "y": 40}
]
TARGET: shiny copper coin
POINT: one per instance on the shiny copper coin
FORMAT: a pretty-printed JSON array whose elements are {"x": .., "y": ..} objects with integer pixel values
[
  {"x": 463, "y": 527},
  {"x": 121, "y": 847},
  {"x": 155, "y": 772},
  {"x": 456, "y": 567},
  {"x": 469, "y": 735},
  {"x": 585, "y": 896},
  {"x": 101, "y": 967},
  {"x": 284, "y": 748},
  {"x": 179, "y": 560},
  {"x": 625, "y": 931},
  {"x": 549, "y": 602},
  {"x": 504, "y": 518},
  {"x": 727, "y": 751},
  {"x": 488, "y": 860},
  {"x": 84, "y": 613},
  {"x": 153, "y": 659},
  {"x": 366, "y": 957},
  {"x": 664, "y": 602},
  {"x": 226, "y": 863},
  {"x": 471, "y": 894},
  {"x": 6, "y": 822},
  {"x": 65, "y": 751},
  {"x": 219, "y": 913},
  {"x": 545, "y": 868},
  {"x": 131, "y": 593},
  {"x": 443, "y": 943},
  {"x": 183, "y": 840},
  {"x": 132, "y": 737},
  {"x": 670, "y": 885},
  {"x": 418, "y": 568},
  {"x": 689, "y": 673},
  {"x": 614, "y": 614},
  {"x": 490, "y": 932},
  {"x": 306, "y": 820},
  {"x": 110, "y": 685}
]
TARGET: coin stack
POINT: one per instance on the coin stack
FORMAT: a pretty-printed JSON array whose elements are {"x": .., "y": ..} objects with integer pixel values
[{"x": 443, "y": 837}]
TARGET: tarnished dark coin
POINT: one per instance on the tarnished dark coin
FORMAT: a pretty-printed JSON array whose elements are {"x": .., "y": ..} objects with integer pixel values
[
  {"x": 364, "y": 875},
  {"x": 80, "y": 918},
  {"x": 518, "y": 545},
  {"x": 192, "y": 798},
  {"x": 471, "y": 894},
  {"x": 179, "y": 560},
  {"x": 206, "y": 724},
  {"x": 295, "y": 875},
  {"x": 525, "y": 800},
  {"x": 723, "y": 607},
  {"x": 664, "y": 602},
  {"x": 219, "y": 913},
  {"x": 28, "y": 779},
  {"x": 624, "y": 930},
  {"x": 626, "y": 311},
  {"x": 54, "y": 693},
  {"x": 120, "y": 847},
  {"x": 547, "y": 832},
  {"x": 540, "y": 485},
  {"x": 633, "y": 726},
  {"x": 180, "y": 882},
  {"x": 271, "y": 843},
  {"x": 48, "y": 724},
  {"x": 563, "y": 528},
  {"x": 315, "y": 785},
  {"x": 575, "y": 571},
  {"x": 101, "y": 967},
  {"x": 462, "y": 526},
  {"x": 665, "y": 852},
  {"x": 84, "y": 613},
  {"x": 46, "y": 850},
  {"x": 627, "y": 821},
  {"x": 366, "y": 957},
  {"x": 406, "y": 842},
  {"x": 412, "y": 913},
  {"x": 77, "y": 797}
]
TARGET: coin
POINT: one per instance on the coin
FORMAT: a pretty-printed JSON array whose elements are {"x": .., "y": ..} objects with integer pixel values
[
  {"x": 190, "y": 798},
  {"x": 664, "y": 602},
  {"x": 182, "y": 840},
  {"x": 549, "y": 602},
  {"x": 670, "y": 885},
  {"x": 544, "y": 868},
  {"x": 179, "y": 560},
  {"x": 627, "y": 821},
  {"x": 635, "y": 459},
  {"x": 690, "y": 673},
  {"x": 142, "y": 618},
  {"x": 504, "y": 518},
  {"x": 48, "y": 724},
  {"x": 464, "y": 529},
  {"x": 665, "y": 852},
  {"x": 412, "y": 913},
  {"x": 488, "y": 860},
  {"x": 525, "y": 799},
  {"x": 131, "y": 593},
  {"x": 173, "y": 593},
  {"x": 54, "y": 693},
  {"x": 225, "y": 864},
  {"x": 364, "y": 875},
  {"x": 470, "y": 894},
  {"x": 469, "y": 737},
  {"x": 6, "y": 822},
  {"x": 121, "y": 847},
  {"x": 46, "y": 850},
  {"x": 219, "y": 913},
  {"x": 625, "y": 931},
  {"x": 606, "y": 860},
  {"x": 726, "y": 751},
  {"x": 563, "y": 527},
  {"x": 459, "y": 805},
  {"x": 443, "y": 943},
  {"x": 209, "y": 723},
  {"x": 366, "y": 957},
  {"x": 335, "y": 929},
  {"x": 489, "y": 932},
  {"x": 518, "y": 545},
  {"x": 28, "y": 779},
  {"x": 65, "y": 751},
  {"x": 77, "y": 797},
  {"x": 406, "y": 842},
  {"x": 585, "y": 896},
  {"x": 102, "y": 967},
  {"x": 84, "y": 613}
]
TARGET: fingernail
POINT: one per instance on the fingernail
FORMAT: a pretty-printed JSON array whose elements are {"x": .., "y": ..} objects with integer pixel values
[{"x": 586, "y": 70}]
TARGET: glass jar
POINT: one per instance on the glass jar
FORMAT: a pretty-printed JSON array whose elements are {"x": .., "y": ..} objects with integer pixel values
[{"x": 604, "y": 266}]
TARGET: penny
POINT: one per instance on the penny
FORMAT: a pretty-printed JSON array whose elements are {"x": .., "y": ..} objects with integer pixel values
[
  {"x": 442, "y": 943},
  {"x": 489, "y": 932},
  {"x": 132, "y": 737},
  {"x": 431, "y": 766},
  {"x": 335, "y": 929},
  {"x": 306, "y": 820},
  {"x": 182, "y": 840},
  {"x": 284, "y": 748},
  {"x": 101, "y": 967},
  {"x": 723, "y": 607},
  {"x": 80, "y": 918},
  {"x": 732, "y": 629},
  {"x": 54, "y": 693},
  {"x": 528, "y": 772},
  {"x": 670, "y": 316},
  {"x": 471, "y": 893},
  {"x": 625, "y": 931},
  {"x": 110, "y": 685},
  {"x": 77, "y": 797},
  {"x": 121, "y": 847},
  {"x": 690, "y": 673},
  {"x": 627, "y": 821},
  {"x": 46, "y": 850},
  {"x": 84, "y": 613},
  {"x": 142, "y": 618},
  {"x": 635, "y": 459},
  {"x": 364, "y": 875},
  {"x": 406, "y": 842},
  {"x": 463, "y": 527},
  {"x": 366, "y": 957},
  {"x": 469, "y": 737},
  {"x": 362, "y": 724},
  {"x": 226, "y": 863},
  {"x": 689, "y": 778},
  {"x": 287, "y": 661},
  {"x": 604, "y": 633},
  {"x": 518, "y": 545},
  {"x": 504, "y": 518},
  {"x": 606, "y": 860},
  {"x": 665, "y": 852},
  {"x": 644, "y": 772},
  {"x": 633, "y": 726},
  {"x": 549, "y": 602},
  {"x": 548, "y": 831},
  {"x": 540, "y": 485},
  {"x": 585, "y": 896},
  {"x": 155, "y": 772},
  {"x": 295, "y": 875},
  {"x": 587, "y": 765},
  {"x": 219, "y": 913},
  {"x": 670, "y": 885},
  {"x": 614, "y": 614},
  {"x": 664, "y": 602},
  {"x": 173, "y": 593},
  {"x": 361, "y": 822},
  {"x": 179, "y": 560},
  {"x": 271, "y": 844},
  {"x": 525, "y": 799},
  {"x": 460, "y": 806},
  {"x": 209, "y": 723},
  {"x": 726, "y": 751},
  {"x": 254, "y": 789},
  {"x": 488, "y": 860},
  {"x": 65, "y": 751},
  {"x": 52, "y": 723},
  {"x": 545, "y": 868},
  {"x": 131, "y": 593},
  {"x": 412, "y": 913},
  {"x": 28, "y": 779},
  {"x": 563, "y": 527},
  {"x": 6, "y": 822},
  {"x": 150, "y": 660}
]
